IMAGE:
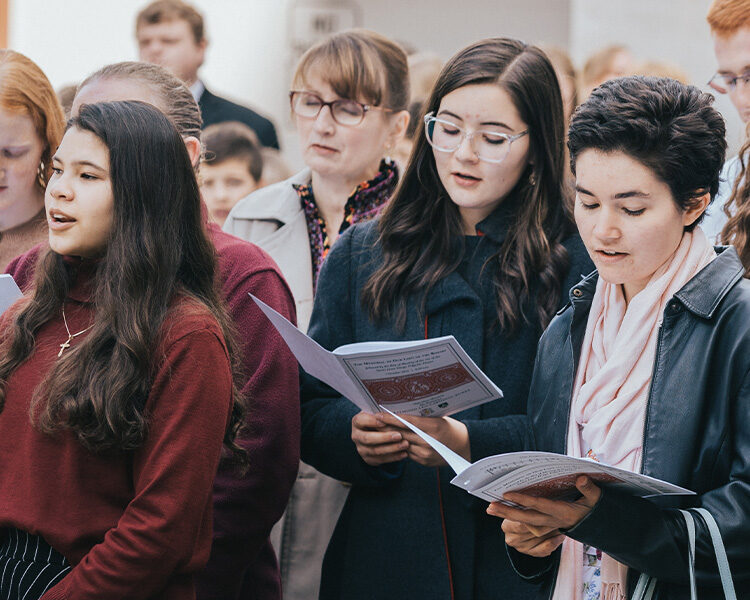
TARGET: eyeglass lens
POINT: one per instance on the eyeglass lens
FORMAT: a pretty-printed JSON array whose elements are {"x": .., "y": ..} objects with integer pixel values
[
  {"x": 447, "y": 137},
  {"x": 344, "y": 112},
  {"x": 727, "y": 83}
]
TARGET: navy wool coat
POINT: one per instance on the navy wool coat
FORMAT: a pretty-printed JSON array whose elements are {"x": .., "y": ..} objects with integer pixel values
[{"x": 404, "y": 523}]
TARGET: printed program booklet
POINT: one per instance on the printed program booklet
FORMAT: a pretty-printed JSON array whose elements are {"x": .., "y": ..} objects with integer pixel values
[
  {"x": 543, "y": 474},
  {"x": 433, "y": 377},
  {"x": 9, "y": 292}
]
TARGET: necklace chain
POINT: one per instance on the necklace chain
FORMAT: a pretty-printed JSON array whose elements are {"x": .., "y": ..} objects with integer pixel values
[{"x": 66, "y": 344}]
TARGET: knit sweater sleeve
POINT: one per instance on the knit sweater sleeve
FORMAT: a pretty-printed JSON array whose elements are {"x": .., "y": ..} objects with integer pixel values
[
  {"x": 245, "y": 508},
  {"x": 163, "y": 537}
]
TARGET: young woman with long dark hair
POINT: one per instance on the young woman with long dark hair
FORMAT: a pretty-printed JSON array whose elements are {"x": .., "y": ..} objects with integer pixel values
[
  {"x": 476, "y": 243},
  {"x": 116, "y": 377},
  {"x": 246, "y": 505}
]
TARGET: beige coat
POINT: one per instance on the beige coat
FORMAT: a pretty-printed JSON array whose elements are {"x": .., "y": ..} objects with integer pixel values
[{"x": 273, "y": 219}]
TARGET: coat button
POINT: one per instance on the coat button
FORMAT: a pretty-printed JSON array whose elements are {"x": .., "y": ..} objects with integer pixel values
[
  {"x": 577, "y": 293},
  {"x": 674, "y": 307}
]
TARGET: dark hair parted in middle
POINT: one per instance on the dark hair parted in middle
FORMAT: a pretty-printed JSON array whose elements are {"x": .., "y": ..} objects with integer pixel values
[
  {"x": 421, "y": 231},
  {"x": 669, "y": 127},
  {"x": 157, "y": 249}
]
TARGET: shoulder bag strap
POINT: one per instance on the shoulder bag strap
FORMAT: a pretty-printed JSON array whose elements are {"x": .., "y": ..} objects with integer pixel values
[
  {"x": 721, "y": 554},
  {"x": 644, "y": 589},
  {"x": 690, "y": 523}
]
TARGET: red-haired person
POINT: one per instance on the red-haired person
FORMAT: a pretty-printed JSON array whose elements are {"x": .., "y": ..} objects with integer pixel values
[
  {"x": 31, "y": 126},
  {"x": 730, "y": 29}
]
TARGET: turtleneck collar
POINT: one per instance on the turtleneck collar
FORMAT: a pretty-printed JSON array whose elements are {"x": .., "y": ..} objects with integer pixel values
[
  {"x": 83, "y": 278},
  {"x": 497, "y": 224}
]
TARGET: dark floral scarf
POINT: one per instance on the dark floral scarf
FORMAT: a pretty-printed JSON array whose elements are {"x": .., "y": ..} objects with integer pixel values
[{"x": 365, "y": 202}]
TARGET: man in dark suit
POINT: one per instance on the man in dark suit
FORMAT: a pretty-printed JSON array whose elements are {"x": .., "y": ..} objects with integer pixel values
[{"x": 170, "y": 33}]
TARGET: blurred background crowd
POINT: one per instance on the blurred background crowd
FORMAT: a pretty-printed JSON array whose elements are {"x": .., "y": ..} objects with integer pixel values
[{"x": 252, "y": 47}]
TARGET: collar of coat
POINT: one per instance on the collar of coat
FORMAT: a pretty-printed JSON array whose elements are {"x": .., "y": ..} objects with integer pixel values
[
  {"x": 701, "y": 295},
  {"x": 497, "y": 224}
]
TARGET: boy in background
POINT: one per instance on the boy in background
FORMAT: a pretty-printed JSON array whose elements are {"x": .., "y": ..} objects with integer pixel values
[{"x": 231, "y": 169}]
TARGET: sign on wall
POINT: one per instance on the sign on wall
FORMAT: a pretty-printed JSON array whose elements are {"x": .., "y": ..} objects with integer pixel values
[{"x": 313, "y": 20}]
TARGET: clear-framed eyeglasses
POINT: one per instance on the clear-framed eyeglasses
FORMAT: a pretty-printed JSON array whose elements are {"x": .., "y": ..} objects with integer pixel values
[
  {"x": 489, "y": 146},
  {"x": 727, "y": 82},
  {"x": 345, "y": 112}
]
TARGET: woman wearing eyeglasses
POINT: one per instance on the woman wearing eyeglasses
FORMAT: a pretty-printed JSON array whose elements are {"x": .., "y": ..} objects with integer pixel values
[
  {"x": 476, "y": 243},
  {"x": 349, "y": 98}
]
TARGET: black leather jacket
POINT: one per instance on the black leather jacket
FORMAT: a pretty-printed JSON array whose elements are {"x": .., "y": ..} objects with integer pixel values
[{"x": 697, "y": 434}]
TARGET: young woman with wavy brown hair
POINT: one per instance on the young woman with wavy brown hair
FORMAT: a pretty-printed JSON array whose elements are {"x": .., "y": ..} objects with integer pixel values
[
  {"x": 736, "y": 230},
  {"x": 476, "y": 243},
  {"x": 116, "y": 374}
]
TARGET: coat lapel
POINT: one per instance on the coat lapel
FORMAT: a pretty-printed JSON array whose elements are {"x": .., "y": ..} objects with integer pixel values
[{"x": 454, "y": 309}]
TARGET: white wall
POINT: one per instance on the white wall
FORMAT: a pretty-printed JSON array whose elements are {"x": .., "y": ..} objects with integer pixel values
[
  {"x": 246, "y": 56},
  {"x": 446, "y": 26}
]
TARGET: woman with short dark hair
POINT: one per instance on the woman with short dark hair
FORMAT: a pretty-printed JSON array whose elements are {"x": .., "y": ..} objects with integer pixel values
[
  {"x": 647, "y": 368},
  {"x": 116, "y": 374}
]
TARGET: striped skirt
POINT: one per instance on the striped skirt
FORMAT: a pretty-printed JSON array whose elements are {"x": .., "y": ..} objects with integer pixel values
[{"x": 29, "y": 566}]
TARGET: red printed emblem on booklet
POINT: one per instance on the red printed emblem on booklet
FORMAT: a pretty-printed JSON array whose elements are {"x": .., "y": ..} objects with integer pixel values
[
  {"x": 414, "y": 387},
  {"x": 564, "y": 486}
]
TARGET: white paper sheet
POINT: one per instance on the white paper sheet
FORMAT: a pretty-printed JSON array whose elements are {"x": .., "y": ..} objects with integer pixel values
[
  {"x": 457, "y": 462},
  {"x": 432, "y": 377},
  {"x": 9, "y": 292},
  {"x": 316, "y": 360}
]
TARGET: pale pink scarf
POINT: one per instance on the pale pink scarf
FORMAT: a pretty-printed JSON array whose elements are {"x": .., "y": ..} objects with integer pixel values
[{"x": 608, "y": 408}]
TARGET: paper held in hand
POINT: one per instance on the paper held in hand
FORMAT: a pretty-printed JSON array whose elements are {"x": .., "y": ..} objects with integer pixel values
[
  {"x": 433, "y": 377},
  {"x": 542, "y": 474},
  {"x": 9, "y": 292}
]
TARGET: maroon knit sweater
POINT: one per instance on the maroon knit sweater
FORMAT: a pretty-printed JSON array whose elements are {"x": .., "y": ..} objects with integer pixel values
[
  {"x": 133, "y": 525},
  {"x": 242, "y": 563}
]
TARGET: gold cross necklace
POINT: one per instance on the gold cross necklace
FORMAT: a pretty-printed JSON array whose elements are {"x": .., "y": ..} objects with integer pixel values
[{"x": 66, "y": 344}]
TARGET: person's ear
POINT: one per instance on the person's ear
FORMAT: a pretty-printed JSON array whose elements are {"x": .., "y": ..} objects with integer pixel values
[
  {"x": 399, "y": 124},
  {"x": 201, "y": 47},
  {"x": 194, "y": 148},
  {"x": 696, "y": 209}
]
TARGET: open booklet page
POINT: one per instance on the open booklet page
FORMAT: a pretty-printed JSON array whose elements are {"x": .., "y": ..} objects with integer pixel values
[
  {"x": 9, "y": 292},
  {"x": 542, "y": 474},
  {"x": 432, "y": 377}
]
